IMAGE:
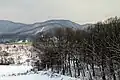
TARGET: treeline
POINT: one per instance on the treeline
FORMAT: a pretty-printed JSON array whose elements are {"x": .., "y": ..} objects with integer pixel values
[{"x": 94, "y": 51}]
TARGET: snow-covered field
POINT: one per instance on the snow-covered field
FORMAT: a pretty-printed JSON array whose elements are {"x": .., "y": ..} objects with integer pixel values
[
  {"x": 13, "y": 69},
  {"x": 14, "y": 72}
]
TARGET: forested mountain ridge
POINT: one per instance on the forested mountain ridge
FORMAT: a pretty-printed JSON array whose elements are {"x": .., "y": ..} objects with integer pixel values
[{"x": 19, "y": 31}]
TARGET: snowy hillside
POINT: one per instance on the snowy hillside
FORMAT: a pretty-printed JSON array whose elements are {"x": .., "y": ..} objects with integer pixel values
[{"x": 16, "y": 53}]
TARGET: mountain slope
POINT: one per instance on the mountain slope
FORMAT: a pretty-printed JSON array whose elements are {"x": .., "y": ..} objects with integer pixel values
[{"x": 12, "y": 30}]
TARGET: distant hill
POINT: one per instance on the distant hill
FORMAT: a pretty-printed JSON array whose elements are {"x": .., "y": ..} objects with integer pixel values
[{"x": 19, "y": 31}]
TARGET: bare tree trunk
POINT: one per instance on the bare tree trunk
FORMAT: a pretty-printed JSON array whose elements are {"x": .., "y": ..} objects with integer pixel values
[
  {"x": 118, "y": 75},
  {"x": 74, "y": 69},
  {"x": 112, "y": 70},
  {"x": 65, "y": 64},
  {"x": 103, "y": 67},
  {"x": 63, "y": 71},
  {"x": 90, "y": 75},
  {"x": 69, "y": 65},
  {"x": 78, "y": 67},
  {"x": 93, "y": 70}
]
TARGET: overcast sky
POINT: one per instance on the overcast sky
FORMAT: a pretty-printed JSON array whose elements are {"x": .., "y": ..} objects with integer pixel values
[{"x": 81, "y": 11}]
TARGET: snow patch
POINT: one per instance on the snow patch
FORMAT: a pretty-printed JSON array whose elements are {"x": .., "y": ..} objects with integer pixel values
[{"x": 40, "y": 30}]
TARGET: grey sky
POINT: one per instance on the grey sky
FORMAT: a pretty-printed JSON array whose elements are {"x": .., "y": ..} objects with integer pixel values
[{"x": 81, "y": 11}]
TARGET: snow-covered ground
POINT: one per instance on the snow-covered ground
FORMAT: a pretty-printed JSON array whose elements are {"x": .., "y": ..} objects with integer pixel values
[
  {"x": 36, "y": 77},
  {"x": 13, "y": 69},
  {"x": 14, "y": 72}
]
